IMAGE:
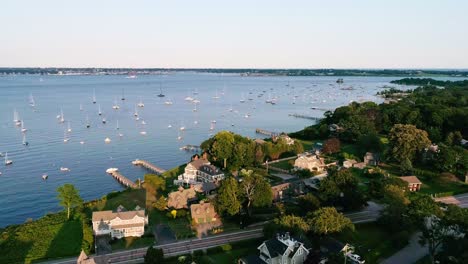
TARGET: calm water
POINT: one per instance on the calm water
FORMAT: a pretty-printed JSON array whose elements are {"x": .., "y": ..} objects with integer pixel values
[{"x": 23, "y": 193}]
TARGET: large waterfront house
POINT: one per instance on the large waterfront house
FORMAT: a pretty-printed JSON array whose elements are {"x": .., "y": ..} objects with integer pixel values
[
  {"x": 119, "y": 223},
  {"x": 282, "y": 249},
  {"x": 307, "y": 161},
  {"x": 200, "y": 170},
  {"x": 180, "y": 198}
]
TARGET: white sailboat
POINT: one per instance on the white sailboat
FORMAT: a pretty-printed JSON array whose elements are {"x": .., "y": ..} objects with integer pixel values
[
  {"x": 16, "y": 118},
  {"x": 115, "y": 106},
  {"x": 117, "y": 127},
  {"x": 65, "y": 138},
  {"x": 87, "y": 122},
  {"x": 141, "y": 104},
  {"x": 168, "y": 102},
  {"x": 7, "y": 161},
  {"x": 99, "y": 110},
  {"x": 23, "y": 129},
  {"x": 62, "y": 117},
  {"x": 69, "y": 128},
  {"x": 25, "y": 142},
  {"x": 136, "y": 112},
  {"x": 242, "y": 100},
  {"x": 216, "y": 95},
  {"x": 32, "y": 103}
]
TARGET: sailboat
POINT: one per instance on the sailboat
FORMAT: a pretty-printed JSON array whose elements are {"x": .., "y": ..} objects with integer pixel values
[
  {"x": 136, "y": 112},
  {"x": 117, "y": 127},
  {"x": 216, "y": 95},
  {"x": 69, "y": 128},
  {"x": 62, "y": 118},
  {"x": 161, "y": 93},
  {"x": 7, "y": 161},
  {"x": 65, "y": 138},
  {"x": 123, "y": 97},
  {"x": 32, "y": 103},
  {"x": 104, "y": 120},
  {"x": 242, "y": 100},
  {"x": 168, "y": 102},
  {"x": 179, "y": 137},
  {"x": 23, "y": 129},
  {"x": 195, "y": 108},
  {"x": 141, "y": 104},
  {"x": 115, "y": 106},
  {"x": 16, "y": 118},
  {"x": 87, "y": 122},
  {"x": 94, "y": 96},
  {"x": 99, "y": 110},
  {"x": 25, "y": 142}
]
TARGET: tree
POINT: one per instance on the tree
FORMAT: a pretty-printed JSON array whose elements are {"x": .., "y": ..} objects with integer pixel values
[
  {"x": 153, "y": 183},
  {"x": 69, "y": 197},
  {"x": 227, "y": 200},
  {"x": 292, "y": 223},
  {"x": 327, "y": 220},
  {"x": 421, "y": 207},
  {"x": 369, "y": 142},
  {"x": 406, "y": 166},
  {"x": 406, "y": 140},
  {"x": 223, "y": 146},
  {"x": 331, "y": 145},
  {"x": 154, "y": 256},
  {"x": 160, "y": 203},
  {"x": 434, "y": 233},
  {"x": 308, "y": 203},
  {"x": 256, "y": 191}
]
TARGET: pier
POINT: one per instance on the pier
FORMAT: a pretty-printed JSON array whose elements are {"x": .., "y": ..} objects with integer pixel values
[
  {"x": 190, "y": 148},
  {"x": 266, "y": 132},
  {"x": 114, "y": 172},
  {"x": 306, "y": 117},
  {"x": 147, "y": 165}
]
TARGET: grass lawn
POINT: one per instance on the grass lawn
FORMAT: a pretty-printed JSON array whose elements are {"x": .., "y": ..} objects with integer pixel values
[
  {"x": 351, "y": 149},
  {"x": 239, "y": 250},
  {"x": 180, "y": 226},
  {"x": 51, "y": 236},
  {"x": 129, "y": 198},
  {"x": 370, "y": 241},
  {"x": 285, "y": 164},
  {"x": 132, "y": 242},
  {"x": 307, "y": 144},
  {"x": 443, "y": 186}
]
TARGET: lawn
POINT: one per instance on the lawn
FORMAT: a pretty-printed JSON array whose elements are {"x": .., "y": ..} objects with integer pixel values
[
  {"x": 129, "y": 199},
  {"x": 285, "y": 164},
  {"x": 51, "y": 236},
  {"x": 180, "y": 226},
  {"x": 443, "y": 186},
  {"x": 351, "y": 149},
  {"x": 307, "y": 144},
  {"x": 371, "y": 242},
  {"x": 132, "y": 242}
]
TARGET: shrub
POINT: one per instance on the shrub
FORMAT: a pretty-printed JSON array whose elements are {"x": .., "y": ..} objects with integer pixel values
[{"x": 226, "y": 247}]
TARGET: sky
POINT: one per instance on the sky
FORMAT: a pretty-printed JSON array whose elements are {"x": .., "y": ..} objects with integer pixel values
[{"x": 234, "y": 34}]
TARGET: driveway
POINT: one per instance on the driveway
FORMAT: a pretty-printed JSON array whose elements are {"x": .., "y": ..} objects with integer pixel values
[
  {"x": 461, "y": 200},
  {"x": 409, "y": 254},
  {"x": 164, "y": 234}
]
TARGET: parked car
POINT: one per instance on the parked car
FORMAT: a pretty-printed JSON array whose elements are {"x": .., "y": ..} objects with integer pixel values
[{"x": 356, "y": 258}]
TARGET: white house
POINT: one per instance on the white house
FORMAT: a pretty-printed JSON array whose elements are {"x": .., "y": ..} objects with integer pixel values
[
  {"x": 279, "y": 250},
  {"x": 200, "y": 170},
  {"x": 310, "y": 162},
  {"x": 120, "y": 224}
]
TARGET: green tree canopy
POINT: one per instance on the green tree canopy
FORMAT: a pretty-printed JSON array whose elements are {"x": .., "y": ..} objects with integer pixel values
[
  {"x": 69, "y": 197},
  {"x": 154, "y": 256},
  {"x": 406, "y": 140},
  {"x": 292, "y": 223},
  {"x": 327, "y": 220},
  {"x": 227, "y": 201},
  {"x": 256, "y": 191}
]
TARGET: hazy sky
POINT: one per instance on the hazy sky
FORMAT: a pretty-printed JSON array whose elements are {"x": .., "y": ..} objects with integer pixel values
[{"x": 235, "y": 34}]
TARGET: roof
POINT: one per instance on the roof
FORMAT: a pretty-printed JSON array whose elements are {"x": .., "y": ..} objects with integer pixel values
[
  {"x": 411, "y": 179},
  {"x": 372, "y": 156},
  {"x": 252, "y": 259},
  {"x": 178, "y": 199},
  {"x": 209, "y": 169},
  {"x": 280, "y": 187},
  {"x": 109, "y": 215},
  {"x": 84, "y": 259},
  {"x": 128, "y": 225},
  {"x": 199, "y": 162},
  {"x": 202, "y": 210},
  {"x": 275, "y": 247}
]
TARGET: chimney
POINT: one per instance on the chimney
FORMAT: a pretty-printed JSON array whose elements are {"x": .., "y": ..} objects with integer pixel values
[{"x": 286, "y": 236}]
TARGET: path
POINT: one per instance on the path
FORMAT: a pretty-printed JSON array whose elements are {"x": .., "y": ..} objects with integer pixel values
[
  {"x": 460, "y": 200},
  {"x": 409, "y": 254},
  {"x": 369, "y": 214}
]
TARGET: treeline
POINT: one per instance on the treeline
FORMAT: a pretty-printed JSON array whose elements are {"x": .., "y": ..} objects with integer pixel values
[
  {"x": 234, "y": 151},
  {"x": 245, "y": 71},
  {"x": 430, "y": 81}
]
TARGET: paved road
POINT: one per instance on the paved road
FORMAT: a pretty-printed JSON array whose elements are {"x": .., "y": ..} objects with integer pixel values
[
  {"x": 460, "y": 200},
  {"x": 370, "y": 214},
  {"x": 409, "y": 254},
  {"x": 177, "y": 248}
]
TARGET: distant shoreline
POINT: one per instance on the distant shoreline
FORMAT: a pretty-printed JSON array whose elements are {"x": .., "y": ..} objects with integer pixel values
[{"x": 131, "y": 72}]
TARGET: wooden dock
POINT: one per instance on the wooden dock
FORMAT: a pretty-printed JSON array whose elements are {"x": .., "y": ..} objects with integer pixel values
[
  {"x": 266, "y": 132},
  {"x": 114, "y": 172},
  {"x": 306, "y": 117},
  {"x": 190, "y": 148},
  {"x": 147, "y": 165}
]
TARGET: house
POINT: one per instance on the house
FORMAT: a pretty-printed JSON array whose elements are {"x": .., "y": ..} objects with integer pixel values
[
  {"x": 310, "y": 162},
  {"x": 180, "y": 198},
  {"x": 200, "y": 170},
  {"x": 279, "y": 250},
  {"x": 414, "y": 184},
  {"x": 119, "y": 224},
  {"x": 335, "y": 128},
  {"x": 349, "y": 163},
  {"x": 278, "y": 191},
  {"x": 359, "y": 165},
  {"x": 203, "y": 213},
  {"x": 372, "y": 159}
]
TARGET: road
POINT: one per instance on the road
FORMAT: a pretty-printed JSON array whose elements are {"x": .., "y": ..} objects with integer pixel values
[
  {"x": 460, "y": 200},
  {"x": 177, "y": 248},
  {"x": 369, "y": 214}
]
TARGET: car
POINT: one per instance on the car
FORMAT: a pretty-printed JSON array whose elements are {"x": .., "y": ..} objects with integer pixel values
[{"x": 356, "y": 258}]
